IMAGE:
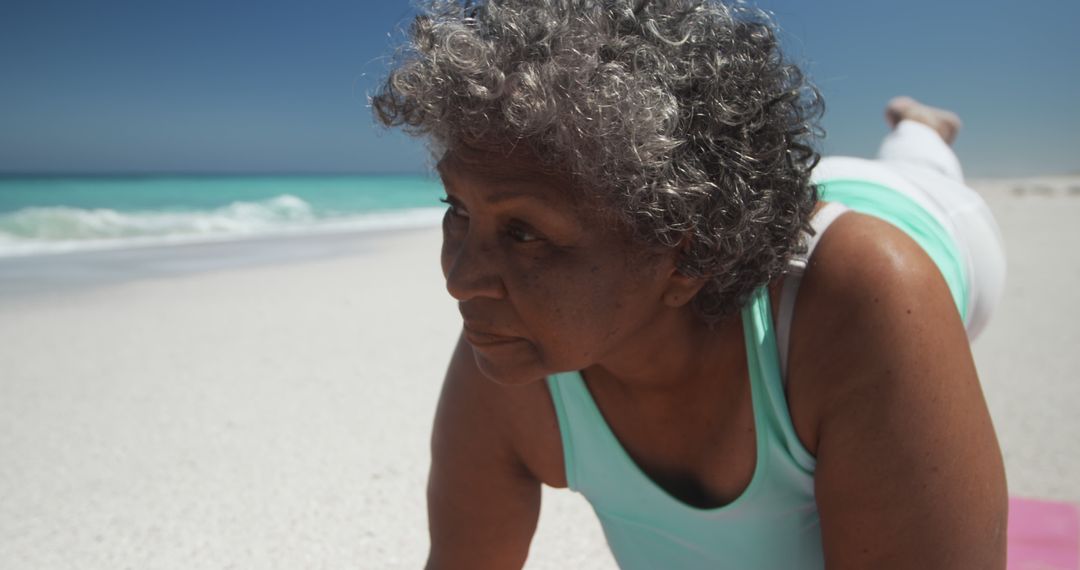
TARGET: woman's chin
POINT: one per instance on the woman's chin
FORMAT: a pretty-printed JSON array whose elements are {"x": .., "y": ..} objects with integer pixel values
[{"x": 507, "y": 371}]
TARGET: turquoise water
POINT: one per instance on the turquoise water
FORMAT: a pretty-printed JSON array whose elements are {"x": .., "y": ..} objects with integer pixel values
[{"x": 49, "y": 214}]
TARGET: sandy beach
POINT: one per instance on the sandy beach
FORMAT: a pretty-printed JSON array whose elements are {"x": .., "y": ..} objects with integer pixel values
[{"x": 268, "y": 404}]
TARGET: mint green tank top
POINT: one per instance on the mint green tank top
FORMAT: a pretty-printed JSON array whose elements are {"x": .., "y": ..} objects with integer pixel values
[
  {"x": 774, "y": 524},
  {"x": 903, "y": 212}
]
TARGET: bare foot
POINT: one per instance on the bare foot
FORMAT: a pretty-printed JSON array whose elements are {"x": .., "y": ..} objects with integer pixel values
[{"x": 946, "y": 123}]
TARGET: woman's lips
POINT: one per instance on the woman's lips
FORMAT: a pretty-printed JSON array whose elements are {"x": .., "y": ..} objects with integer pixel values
[{"x": 477, "y": 338}]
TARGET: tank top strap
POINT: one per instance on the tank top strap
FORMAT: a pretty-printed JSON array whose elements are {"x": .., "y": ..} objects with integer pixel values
[
  {"x": 771, "y": 410},
  {"x": 568, "y": 396},
  {"x": 647, "y": 528},
  {"x": 789, "y": 291}
]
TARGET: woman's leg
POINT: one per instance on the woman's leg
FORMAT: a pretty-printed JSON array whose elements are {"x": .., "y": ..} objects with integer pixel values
[{"x": 915, "y": 159}]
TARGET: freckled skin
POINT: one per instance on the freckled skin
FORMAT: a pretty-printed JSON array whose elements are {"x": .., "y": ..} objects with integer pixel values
[
  {"x": 881, "y": 387},
  {"x": 569, "y": 292}
]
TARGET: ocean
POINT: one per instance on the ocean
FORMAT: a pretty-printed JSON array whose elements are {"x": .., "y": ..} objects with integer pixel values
[{"x": 47, "y": 215}]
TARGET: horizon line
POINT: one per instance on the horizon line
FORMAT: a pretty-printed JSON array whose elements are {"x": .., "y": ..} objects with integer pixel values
[{"x": 206, "y": 174}]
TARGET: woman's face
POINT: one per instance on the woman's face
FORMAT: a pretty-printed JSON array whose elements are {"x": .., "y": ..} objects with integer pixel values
[{"x": 544, "y": 285}]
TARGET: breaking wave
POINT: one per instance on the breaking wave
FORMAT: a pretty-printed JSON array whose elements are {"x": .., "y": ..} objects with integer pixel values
[{"x": 40, "y": 230}]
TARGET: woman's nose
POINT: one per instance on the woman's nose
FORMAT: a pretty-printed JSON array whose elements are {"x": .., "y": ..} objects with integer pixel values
[{"x": 471, "y": 269}]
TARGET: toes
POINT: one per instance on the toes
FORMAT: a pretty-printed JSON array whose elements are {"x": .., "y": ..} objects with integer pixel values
[{"x": 897, "y": 107}]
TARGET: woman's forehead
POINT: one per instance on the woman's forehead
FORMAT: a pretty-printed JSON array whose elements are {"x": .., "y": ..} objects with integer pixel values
[
  {"x": 516, "y": 169},
  {"x": 494, "y": 160}
]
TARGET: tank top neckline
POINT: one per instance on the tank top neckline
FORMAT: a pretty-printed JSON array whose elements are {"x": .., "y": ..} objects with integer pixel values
[{"x": 757, "y": 332}]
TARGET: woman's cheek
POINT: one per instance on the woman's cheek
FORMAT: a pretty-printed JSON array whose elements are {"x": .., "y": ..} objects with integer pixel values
[{"x": 577, "y": 313}]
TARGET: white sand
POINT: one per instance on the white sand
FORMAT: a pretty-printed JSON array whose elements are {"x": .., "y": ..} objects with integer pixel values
[
  {"x": 276, "y": 415},
  {"x": 1029, "y": 356}
]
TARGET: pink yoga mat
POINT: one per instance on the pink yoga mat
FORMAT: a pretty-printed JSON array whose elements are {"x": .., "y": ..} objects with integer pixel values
[{"x": 1043, "y": 535}]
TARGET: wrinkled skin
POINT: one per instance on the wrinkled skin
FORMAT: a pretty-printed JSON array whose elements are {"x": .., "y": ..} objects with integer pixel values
[
  {"x": 881, "y": 386},
  {"x": 545, "y": 282}
]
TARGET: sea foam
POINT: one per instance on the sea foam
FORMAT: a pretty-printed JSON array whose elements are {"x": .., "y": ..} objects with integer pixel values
[{"x": 58, "y": 229}]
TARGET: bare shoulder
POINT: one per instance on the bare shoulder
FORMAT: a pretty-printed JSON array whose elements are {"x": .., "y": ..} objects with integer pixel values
[
  {"x": 883, "y": 383},
  {"x": 864, "y": 262},
  {"x": 484, "y": 483},
  {"x": 868, "y": 290}
]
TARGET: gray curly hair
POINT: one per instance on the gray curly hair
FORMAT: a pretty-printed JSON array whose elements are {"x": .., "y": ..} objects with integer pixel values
[{"x": 682, "y": 114}]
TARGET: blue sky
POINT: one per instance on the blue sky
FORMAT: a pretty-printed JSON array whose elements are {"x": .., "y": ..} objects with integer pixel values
[{"x": 272, "y": 86}]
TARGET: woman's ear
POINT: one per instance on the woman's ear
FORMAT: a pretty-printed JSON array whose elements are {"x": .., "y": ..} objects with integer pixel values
[{"x": 681, "y": 288}]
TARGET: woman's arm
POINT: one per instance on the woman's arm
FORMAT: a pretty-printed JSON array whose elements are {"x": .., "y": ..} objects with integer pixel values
[
  {"x": 909, "y": 471},
  {"x": 483, "y": 503}
]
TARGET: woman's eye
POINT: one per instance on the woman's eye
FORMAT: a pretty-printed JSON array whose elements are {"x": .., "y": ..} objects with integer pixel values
[
  {"x": 522, "y": 235},
  {"x": 454, "y": 208}
]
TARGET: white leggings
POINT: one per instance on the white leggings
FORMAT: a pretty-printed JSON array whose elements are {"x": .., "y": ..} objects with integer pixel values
[{"x": 914, "y": 160}]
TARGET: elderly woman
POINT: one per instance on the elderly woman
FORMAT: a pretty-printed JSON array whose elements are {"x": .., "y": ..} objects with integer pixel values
[{"x": 630, "y": 223}]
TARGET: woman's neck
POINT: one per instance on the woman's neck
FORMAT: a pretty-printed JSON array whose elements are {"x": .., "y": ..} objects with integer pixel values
[{"x": 674, "y": 358}]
